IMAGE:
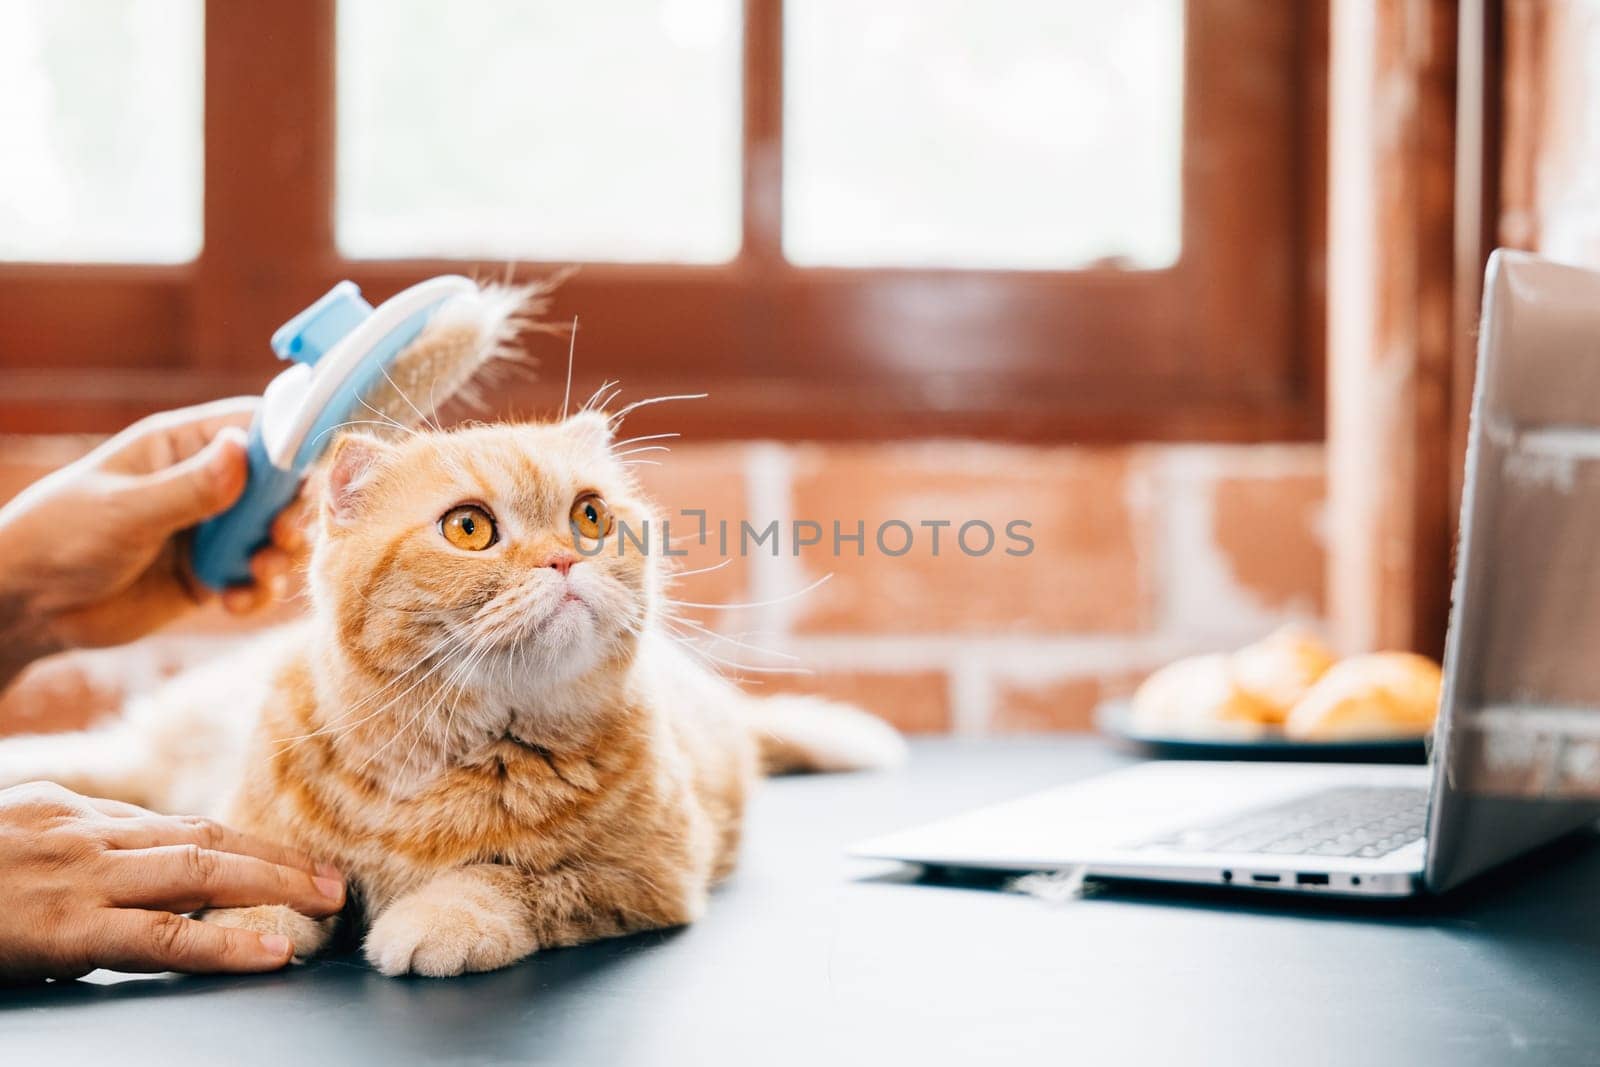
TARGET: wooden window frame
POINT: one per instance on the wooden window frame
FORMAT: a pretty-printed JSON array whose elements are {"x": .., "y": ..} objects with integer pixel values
[{"x": 1226, "y": 345}]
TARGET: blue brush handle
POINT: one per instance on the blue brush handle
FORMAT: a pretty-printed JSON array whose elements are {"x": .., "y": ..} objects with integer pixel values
[{"x": 223, "y": 545}]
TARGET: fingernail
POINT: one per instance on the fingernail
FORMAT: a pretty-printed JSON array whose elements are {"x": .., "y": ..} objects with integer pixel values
[
  {"x": 331, "y": 888},
  {"x": 329, "y": 870},
  {"x": 222, "y": 461},
  {"x": 275, "y": 944}
]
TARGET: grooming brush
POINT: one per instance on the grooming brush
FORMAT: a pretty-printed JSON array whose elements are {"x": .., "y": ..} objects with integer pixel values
[{"x": 390, "y": 366}]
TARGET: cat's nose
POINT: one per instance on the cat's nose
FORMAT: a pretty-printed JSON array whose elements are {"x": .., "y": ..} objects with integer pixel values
[{"x": 562, "y": 563}]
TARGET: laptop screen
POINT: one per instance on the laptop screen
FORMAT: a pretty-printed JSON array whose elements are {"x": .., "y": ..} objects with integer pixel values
[{"x": 1517, "y": 743}]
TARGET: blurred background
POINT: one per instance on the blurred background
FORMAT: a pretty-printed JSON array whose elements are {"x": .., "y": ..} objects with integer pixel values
[{"x": 1189, "y": 285}]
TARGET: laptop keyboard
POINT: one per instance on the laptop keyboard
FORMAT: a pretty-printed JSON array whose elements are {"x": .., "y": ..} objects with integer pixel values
[{"x": 1365, "y": 821}]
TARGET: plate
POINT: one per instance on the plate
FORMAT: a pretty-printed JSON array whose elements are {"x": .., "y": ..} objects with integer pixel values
[{"x": 1114, "y": 718}]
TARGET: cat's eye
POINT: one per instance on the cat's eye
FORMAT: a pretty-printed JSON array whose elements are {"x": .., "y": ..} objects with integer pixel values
[
  {"x": 591, "y": 517},
  {"x": 469, "y": 527}
]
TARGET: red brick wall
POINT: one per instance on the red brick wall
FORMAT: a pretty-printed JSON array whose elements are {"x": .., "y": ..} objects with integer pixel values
[{"x": 1140, "y": 553}]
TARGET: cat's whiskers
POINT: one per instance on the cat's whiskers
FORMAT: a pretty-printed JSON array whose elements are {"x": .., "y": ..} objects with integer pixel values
[
  {"x": 347, "y": 424},
  {"x": 459, "y": 678},
  {"x": 753, "y": 603},
  {"x": 433, "y": 402},
  {"x": 422, "y": 707},
  {"x": 610, "y": 385},
  {"x": 708, "y": 640},
  {"x": 450, "y": 461},
  {"x": 491, "y": 624},
  {"x": 636, "y": 630},
  {"x": 422, "y": 418},
  {"x": 623, "y": 412},
  {"x": 387, "y": 419},
  {"x": 462, "y": 671},
  {"x": 572, "y": 348},
  {"x": 732, "y": 663},
  {"x": 643, "y": 437},
  {"x": 670, "y": 618},
  {"x": 458, "y": 683},
  {"x": 672, "y": 576},
  {"x": 461, "y": 693},
  {"x": 342, "y": 726},
  {"x": 710, "y": 658},
  {"x": 733, "y": 639}
]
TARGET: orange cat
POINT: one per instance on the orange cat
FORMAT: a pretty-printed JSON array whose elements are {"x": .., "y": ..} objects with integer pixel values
[{"x": 480, "y": 724}]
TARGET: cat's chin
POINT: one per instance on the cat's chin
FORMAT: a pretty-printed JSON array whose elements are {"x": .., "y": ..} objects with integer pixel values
[
  {"x": 566, "y": 632},
  {"x": 563, "y": 650}
]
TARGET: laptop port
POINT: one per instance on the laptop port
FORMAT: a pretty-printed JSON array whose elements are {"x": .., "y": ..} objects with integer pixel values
[
  {"x": 1310, "y": 879},
  {"x": 1266, "y": 879}
]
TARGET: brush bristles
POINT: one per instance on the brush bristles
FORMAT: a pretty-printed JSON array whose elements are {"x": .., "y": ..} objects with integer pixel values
[{"x": 449, "y": 357}]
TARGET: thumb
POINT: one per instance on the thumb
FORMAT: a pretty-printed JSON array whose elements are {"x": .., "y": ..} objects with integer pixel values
[{"x": 194, "y": 489}]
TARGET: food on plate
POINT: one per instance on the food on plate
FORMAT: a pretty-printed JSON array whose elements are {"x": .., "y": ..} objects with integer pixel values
[
  {"x": 1289, "y": 686},
  {"x": 1197, "y": 697},
  {"x": 1278, "y": 670},
  {"x": 1384, "y": 694}
]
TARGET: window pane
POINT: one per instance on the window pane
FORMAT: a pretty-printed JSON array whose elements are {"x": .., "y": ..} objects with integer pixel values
[
  {"x": 1009, "y": 133},
  {"x": 101, "y": 106},
  {"x": 540, "y": 129}
]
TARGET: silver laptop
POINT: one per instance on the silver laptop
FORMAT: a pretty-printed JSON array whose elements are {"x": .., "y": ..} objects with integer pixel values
[{"x": 1516, "y": 748}]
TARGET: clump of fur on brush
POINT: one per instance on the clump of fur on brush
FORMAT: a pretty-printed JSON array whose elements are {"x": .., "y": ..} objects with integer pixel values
[
  {"x": 454, "y": 357},
  {"x": 501, "y": 746}
]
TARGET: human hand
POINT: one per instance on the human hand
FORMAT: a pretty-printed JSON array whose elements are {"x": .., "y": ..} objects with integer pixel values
[
  {"x": 97, "y": 883},
  {"x": 90, "y": 555}
]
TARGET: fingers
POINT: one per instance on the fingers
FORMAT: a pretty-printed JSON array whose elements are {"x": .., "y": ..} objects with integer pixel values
[
  {"x": 206, "y": 419},
  {"x": 168, "y": 436},
  {"x": 195, "y": 488},
  {"x": 146, "y": 941},
  {"x": 187, "y": 878},
  {"x": 158, "y": 441},
  {"x": 270, "y": 568},
  {"x": 117, "y": 809},
  {"x": 156, "y": 831},
  {"x": 289, "y": 528},
  {"x": 241, "y": 600}
]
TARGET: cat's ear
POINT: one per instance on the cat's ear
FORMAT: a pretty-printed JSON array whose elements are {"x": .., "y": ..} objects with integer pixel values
[
  {"x": 591, "y": 428},
  {"x": 353, "y": 463}
]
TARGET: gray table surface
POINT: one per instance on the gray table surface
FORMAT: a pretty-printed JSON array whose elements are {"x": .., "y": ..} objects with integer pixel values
[{"x": 806, "y": 957}]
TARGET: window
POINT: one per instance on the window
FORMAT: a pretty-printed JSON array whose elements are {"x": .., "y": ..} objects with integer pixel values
[
  {"x": 1016, "y": 134},
  {"x": 610, "y": 133},
  {"x": 102, "y": 124},
  {"x": 1045, "y": 219}
]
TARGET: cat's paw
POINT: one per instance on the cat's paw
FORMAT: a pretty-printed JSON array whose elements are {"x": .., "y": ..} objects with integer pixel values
[
  {"x": 308, "y": 936},
  {"x": 437, "y": 933}
]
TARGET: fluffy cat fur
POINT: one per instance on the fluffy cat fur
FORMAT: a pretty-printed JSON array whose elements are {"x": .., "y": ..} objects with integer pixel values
[{"x": 501, "y": 748}]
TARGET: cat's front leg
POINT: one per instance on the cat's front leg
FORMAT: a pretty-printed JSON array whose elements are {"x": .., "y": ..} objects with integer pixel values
[
  {"x": 470, "y": 919},
  {"x": 488, "y": 915},
  {"x": 308, "y": 936}
]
